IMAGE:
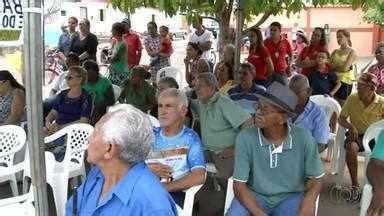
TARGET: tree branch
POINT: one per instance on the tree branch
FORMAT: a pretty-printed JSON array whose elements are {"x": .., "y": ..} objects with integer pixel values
[
  {"x": 265, "y": 16},
  {"x": 211, "y": 18}
]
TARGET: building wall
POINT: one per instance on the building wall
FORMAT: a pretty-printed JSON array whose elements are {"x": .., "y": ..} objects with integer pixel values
[{"x": 362, "y": 36}]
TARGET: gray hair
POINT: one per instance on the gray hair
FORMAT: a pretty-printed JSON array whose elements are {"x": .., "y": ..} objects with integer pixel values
[
  {"x": 131, "y": 129},
  {"x": 299, "y": 83},
  {"x": 230, "y": 47},
  {"x": 209, "y": 79},
  {"x": 175, "y": 93}
]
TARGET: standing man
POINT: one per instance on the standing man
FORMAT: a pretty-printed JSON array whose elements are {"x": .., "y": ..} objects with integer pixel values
[
  {"x": 67, "y": 36},
  {"x": 280, "y": 50},
  {"x": 132, "y": 40},
  {"x": 202, "y": 37}
]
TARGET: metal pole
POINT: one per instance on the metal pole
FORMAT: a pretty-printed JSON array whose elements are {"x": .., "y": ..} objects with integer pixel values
[
  {"x": 239, "y": 29},
  {"x": 33, "y": 67}
]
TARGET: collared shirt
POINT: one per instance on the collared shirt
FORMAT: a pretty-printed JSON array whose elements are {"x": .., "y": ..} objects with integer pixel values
[
  {"x": 132, "y": 40},
  {"x": 220, "y": 120},
  {"x": 225, "y": 88},
  {"x": 98, "y": 90},
  {"x": 361, "y": 116},
  {"x": 246, "y": 100},
  {"x": 142, "y": 98},
  {"x": 64, "y": 43},
  {"x": 378, "y": 150},
  {"x": 258, "y": 58},
  {"x": 322, "y": 83},
  {"x": 314, "y": 120},
  {"x": 279, "y": 51},
  {"x": 182, "y": 152},
  {"x": 202, "y": 38},
  {"x": 274, "y": 172},
  {"x": 139, "y": 192}
]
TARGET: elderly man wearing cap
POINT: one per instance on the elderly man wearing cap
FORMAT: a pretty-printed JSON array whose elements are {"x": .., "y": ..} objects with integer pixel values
[
  {"x": 309, "y": 115},
  {"x": 137, "y": 91},
  {"x": 362, "y": 108},
  {"x": 120, "y": 183},
  {"x": 275, "y": 163},
  {"x": 132, "y": 40},
  {"x": 378, "y": 69},
  {"x": 245, "y": 93}
]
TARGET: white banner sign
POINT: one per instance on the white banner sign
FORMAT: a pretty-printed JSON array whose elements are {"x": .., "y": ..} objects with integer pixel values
[{"x": 11, "y": 15}]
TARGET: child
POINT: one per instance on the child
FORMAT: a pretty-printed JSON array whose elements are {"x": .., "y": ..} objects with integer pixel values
[
  {"x": 323, "y": 81},
  {"x": 165, "y": 45}
]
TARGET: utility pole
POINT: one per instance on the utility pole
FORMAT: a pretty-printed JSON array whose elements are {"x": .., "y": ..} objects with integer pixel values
[{"x": 33, "y": 67}]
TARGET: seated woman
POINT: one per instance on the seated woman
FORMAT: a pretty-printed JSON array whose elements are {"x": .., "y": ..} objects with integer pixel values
[
  {"x": 73, "y": 105},
  {"x": 138, "y": 92},
  {"x": 100, "y": 89},
  {"x": 12, "y": 99}
]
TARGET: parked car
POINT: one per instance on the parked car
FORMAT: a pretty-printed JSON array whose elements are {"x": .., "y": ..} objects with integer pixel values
[{"x": 178, "y": 33}]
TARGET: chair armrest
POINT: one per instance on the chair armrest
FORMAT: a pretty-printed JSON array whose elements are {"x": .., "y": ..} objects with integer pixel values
[{"x": 55, "y": 136}]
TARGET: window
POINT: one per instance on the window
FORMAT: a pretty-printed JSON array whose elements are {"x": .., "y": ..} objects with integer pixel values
[
  {"x": 63, "y": 13},
  {"x": 83, "y": 12},
  {"x": 101, "y": 15}
]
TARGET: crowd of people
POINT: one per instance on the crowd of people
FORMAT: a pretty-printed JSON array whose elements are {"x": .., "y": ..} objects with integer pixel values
[{"x": 263, "y": 131}]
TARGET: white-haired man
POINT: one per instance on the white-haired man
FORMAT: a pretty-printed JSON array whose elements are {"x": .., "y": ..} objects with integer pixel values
[
  {"x": 120, "y": 183},
  {"x": 176, "y": 147}
]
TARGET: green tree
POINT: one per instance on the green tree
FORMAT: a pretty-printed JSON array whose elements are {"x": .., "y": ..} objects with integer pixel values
[
  {"x": 375, "y": 14},
  {"x": 222, "y": 10}
]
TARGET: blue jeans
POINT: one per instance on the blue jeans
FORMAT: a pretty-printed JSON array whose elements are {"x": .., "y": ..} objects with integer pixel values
[{"x": 288, "y": 207}]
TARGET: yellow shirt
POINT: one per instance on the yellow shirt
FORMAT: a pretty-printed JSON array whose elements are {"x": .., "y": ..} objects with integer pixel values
[
  {"x": 360, "y": 116},
  {"x": 225, "y": 88},
  {"x": 339, "y": 58}
]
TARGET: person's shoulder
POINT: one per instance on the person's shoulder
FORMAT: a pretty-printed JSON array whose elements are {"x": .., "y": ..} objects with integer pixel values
[
  {"x": 233, "y": 90},
  {"x": 156, "y": 131},
  {"x": 190, "y": 133},
  {"x": 18, "y": 92},
  {"x": 300, "y": 133},
  {"x": 248, "y": 136}
]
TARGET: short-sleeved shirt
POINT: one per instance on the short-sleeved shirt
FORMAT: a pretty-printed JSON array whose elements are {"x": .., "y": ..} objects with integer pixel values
[
  {"x": 279, "y": 51},
  {"x": 98, "y": 90},
  {"x": 183, "y": 151},
  {"x": 310, "y": 52},
  {"x": 138, "y": 192},
  {"x": 139, "y": 98},
  {"x": 314, "y": 120},
  {"x": 132, "y": 40},
  {"x": 258, "y": 58},
  {"x": 246, "y": 100},
  {"x": 120, "y": 64},
  {"x": 166, "y": 45},
  {"x": 220, "y": 120},
  {"x": 72, "y": 109},
  {"x": 203, "y": 38},
  {"x": 360, "y": 116},
  {"x": 378, "y": 150},
  {"x": 274, "y": 172},
  {"x": 64, "y": 43},
  {"x": 88, "y": 44},
  {"x": 378, "y": 70},
  {"x": 322, "y": 83}
]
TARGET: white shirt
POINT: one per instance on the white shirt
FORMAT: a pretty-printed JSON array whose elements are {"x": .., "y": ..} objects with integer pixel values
[{"x": 205, "y": 37}]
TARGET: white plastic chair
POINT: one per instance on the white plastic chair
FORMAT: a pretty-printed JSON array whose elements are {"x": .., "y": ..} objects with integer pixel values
[
  {"x": 329, "y": 106},
  {"x": 366, "y": 199},
  {"x": 20, "y": 205},
  {"x": 188, "y": 201},
  {"x": 230, "y": 195},
  {"x": 169, "y": 72},
  {"x": 12, "y": 140},
  {"x": 116, "y": 91},
  {"x": 58, "y": 173}
]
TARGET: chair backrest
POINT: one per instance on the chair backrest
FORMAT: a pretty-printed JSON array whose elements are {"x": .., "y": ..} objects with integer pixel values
[
  {"x": 169, "y": 72},
  {"x": 12, "y": 139},
  {"x": 229, "y": 196},
  {"x": 154, "y": 121},
  {"x": 372, "y": 132},
  {"x": 77, "y": 142},
  {"x": 328, "y": 104},
  {"x": 116, "y": 91}
]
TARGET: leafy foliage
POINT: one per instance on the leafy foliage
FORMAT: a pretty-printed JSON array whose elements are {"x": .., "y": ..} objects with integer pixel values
[{"x": 375, "y": 14}]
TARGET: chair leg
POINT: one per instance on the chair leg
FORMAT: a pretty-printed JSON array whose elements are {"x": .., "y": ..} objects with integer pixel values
[
  {"x": 366, "y": 199},
  {"x": 25, "y": 185},
  {"x": 13, "y": 183}
]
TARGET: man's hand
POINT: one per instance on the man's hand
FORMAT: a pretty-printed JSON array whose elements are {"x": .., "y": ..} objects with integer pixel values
[
  {"x": 376, "y": 207},
  {"x": 307, "y": 208},
  {"x": 227, "y": 153},
  {"x": 353, "y": 133},
  {"x": 161, "y": 170}
]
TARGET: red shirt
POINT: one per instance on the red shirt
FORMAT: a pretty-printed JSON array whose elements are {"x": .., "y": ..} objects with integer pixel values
[
  {"x": 166, "y": 46},
  {"x": 132, "y": 40},
  {"x": 310, "y": 52},
  {"x": 279, "y": 51},
  {"x": 259, "y": 59}
]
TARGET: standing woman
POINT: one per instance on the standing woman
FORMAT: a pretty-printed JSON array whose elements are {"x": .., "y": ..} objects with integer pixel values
[
  {"x": 152, "y": 45},
  {"x": 342, "y": 61},
  {"x": 85, "y": 43},
  {"x": 224, "y": 69},
  {"x": 12, "y": 99},
  {"x": 118, "y": 71},
  {"x": 194, "y": 63},
  {"x": 307, "y": 58},
  {"x": 259, "y": 57}
]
